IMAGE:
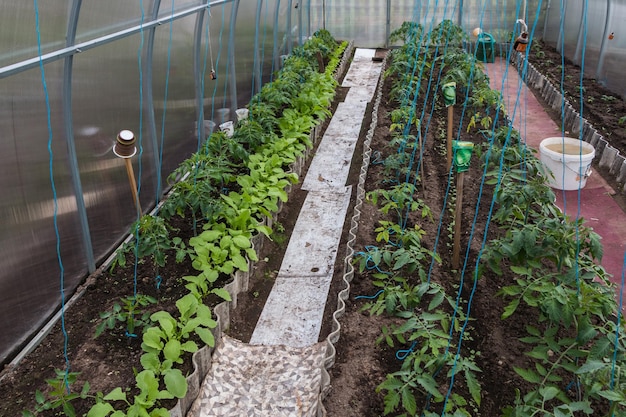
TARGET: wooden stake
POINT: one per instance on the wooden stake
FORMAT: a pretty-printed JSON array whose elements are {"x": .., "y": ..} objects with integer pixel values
[
  {"x": 457, "y": 220},
  {"x": 419, "y": 138},
  {"x": 133, "y": 184},
  {"x": 450, "y": 122}
]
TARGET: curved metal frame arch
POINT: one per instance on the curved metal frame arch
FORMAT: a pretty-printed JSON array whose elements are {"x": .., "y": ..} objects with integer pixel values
[
  {"x": 256, "y": 71},
  {"x": 68, "y": 66},
  {"x": 275, "y": 52},
  {"x": 288, "y": 31},
  {"x": 197, "y": 73},
  {"x": 232, "y": 77},
  {"x": 604, "y": 44},
  {"x": 149, "y": 92}
]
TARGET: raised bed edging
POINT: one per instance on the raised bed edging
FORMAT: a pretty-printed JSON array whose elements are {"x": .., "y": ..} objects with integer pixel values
[
  {"x": 348, "y": 275},
  {"x": 609, "y": 157}
]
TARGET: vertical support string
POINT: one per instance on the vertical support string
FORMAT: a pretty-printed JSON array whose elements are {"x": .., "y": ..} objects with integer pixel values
[{"x": 54, "y": 195}]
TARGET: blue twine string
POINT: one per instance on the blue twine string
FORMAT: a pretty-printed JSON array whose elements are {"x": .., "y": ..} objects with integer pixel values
[
  {"x": 217, "y": 62},
  {"x": 618, "y": 326},
  {"x": 403, "y": 353},
  {"x": 207, "y": 47},
  {"x": 369, "y": 297},
  {"x": 136, "y": 231},
  {"x": 55, "y": 198},
  {"x": 167, "y": 84},
  {"x": 158, "y": 280}
]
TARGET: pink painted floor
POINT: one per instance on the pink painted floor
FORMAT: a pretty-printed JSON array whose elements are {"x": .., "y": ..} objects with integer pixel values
[{"x": 593, "y": 202}]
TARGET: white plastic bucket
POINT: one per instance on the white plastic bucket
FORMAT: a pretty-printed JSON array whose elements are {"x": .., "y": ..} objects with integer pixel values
[{"x": 568, "y": 159}]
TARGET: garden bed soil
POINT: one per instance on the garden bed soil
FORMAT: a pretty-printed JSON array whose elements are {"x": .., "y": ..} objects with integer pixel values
[{"x": 361, "y": 362}]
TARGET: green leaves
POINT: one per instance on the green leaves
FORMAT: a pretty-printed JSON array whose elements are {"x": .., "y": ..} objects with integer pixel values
[{"x": 59, "y": 395}]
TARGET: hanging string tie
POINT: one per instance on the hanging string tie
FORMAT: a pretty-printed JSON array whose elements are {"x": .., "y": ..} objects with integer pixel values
[
  {"x": 403, "y": 353},
  {"x": 213, "y": 74}
]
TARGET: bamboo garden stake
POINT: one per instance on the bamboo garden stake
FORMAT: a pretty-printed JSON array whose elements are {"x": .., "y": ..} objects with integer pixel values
[{"x": 125, "y": 148}]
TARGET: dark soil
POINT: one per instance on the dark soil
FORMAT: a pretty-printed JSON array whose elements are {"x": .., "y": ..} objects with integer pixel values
[
  {"x": 361, "y": 363},
  {"x": 105, "y": 362}
]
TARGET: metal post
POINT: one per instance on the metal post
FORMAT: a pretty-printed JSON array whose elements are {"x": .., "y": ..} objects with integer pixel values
[
  {"x": 388, "y": 24},
  {"x": 288, "y": 31},
  {"x": 605, "y": 38},
  {"x": 197, "y": 74},
  {"x": 581, "y": 36},
  {"x": 300, "y": 7},
  {"x": 449, "y": 141},
  {"x": 308, "y": 30},
  {"x": 232, "y": 77},
  {"x": 148, "y": 89},
  {"x": 256, "y": 71},
  {"x": 545, "y": 19},
  {"x": 456, "y": 250},
  {"x": 276, "y": 51},
  {"x": 69, "y": 137},
  {"x": 559, "y": 42}
]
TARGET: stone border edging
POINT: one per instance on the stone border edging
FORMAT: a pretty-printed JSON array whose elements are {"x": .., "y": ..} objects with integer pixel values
[{"x": 609, "y": 157}]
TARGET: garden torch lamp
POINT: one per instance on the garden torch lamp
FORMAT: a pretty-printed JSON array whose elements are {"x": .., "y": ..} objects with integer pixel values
[{"x": 125, "y": 148}]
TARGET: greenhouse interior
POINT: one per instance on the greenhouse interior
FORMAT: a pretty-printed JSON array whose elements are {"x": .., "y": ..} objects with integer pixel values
[{"x": 313, "y": 208}]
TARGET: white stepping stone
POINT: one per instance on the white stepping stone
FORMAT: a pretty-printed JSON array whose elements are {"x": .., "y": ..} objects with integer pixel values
[
  {"x": 347, "y": 120},
  {"x": 293, "y": 312},
  {"x": 361, "y": 94},
  {"x": 263, "y": 381},
  {"x": 331, "y": 165}
]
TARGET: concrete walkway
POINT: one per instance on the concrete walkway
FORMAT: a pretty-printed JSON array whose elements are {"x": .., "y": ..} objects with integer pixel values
[
  {"x": 593, "y": 202},
  {"x": 279, "y": 373}
]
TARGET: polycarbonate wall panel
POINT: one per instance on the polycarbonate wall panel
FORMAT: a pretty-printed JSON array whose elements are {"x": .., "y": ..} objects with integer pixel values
[
  {"x": 214, "y": 54},
  {"x": 283, "y": 34},
  {"x": 245, "y": 58},
  {"x": 18, "y": 34},
  {"x": 29, "y": 269},
  {"x": 604, "y": 64},
  {"x": 267, "y": 41},
  {"x": 552, "y": 23},
  {"x": 404, "y": 11},
  {"x": 365, "y": 21},
  {"x": 119, "y": 84},
  {"x": 612, "y": 71},
  {"x": 108, "y": 197},
  {"x": 98, "y": 18},
  {"x": 499, "y": 18},
  {"x": 590, "y": 41},
  {"x": 166, "y": 6},
  {"x": 175, "y": 113},
  {"x": 360, "y": 20},
  {"x": 572, "y": 26}
]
